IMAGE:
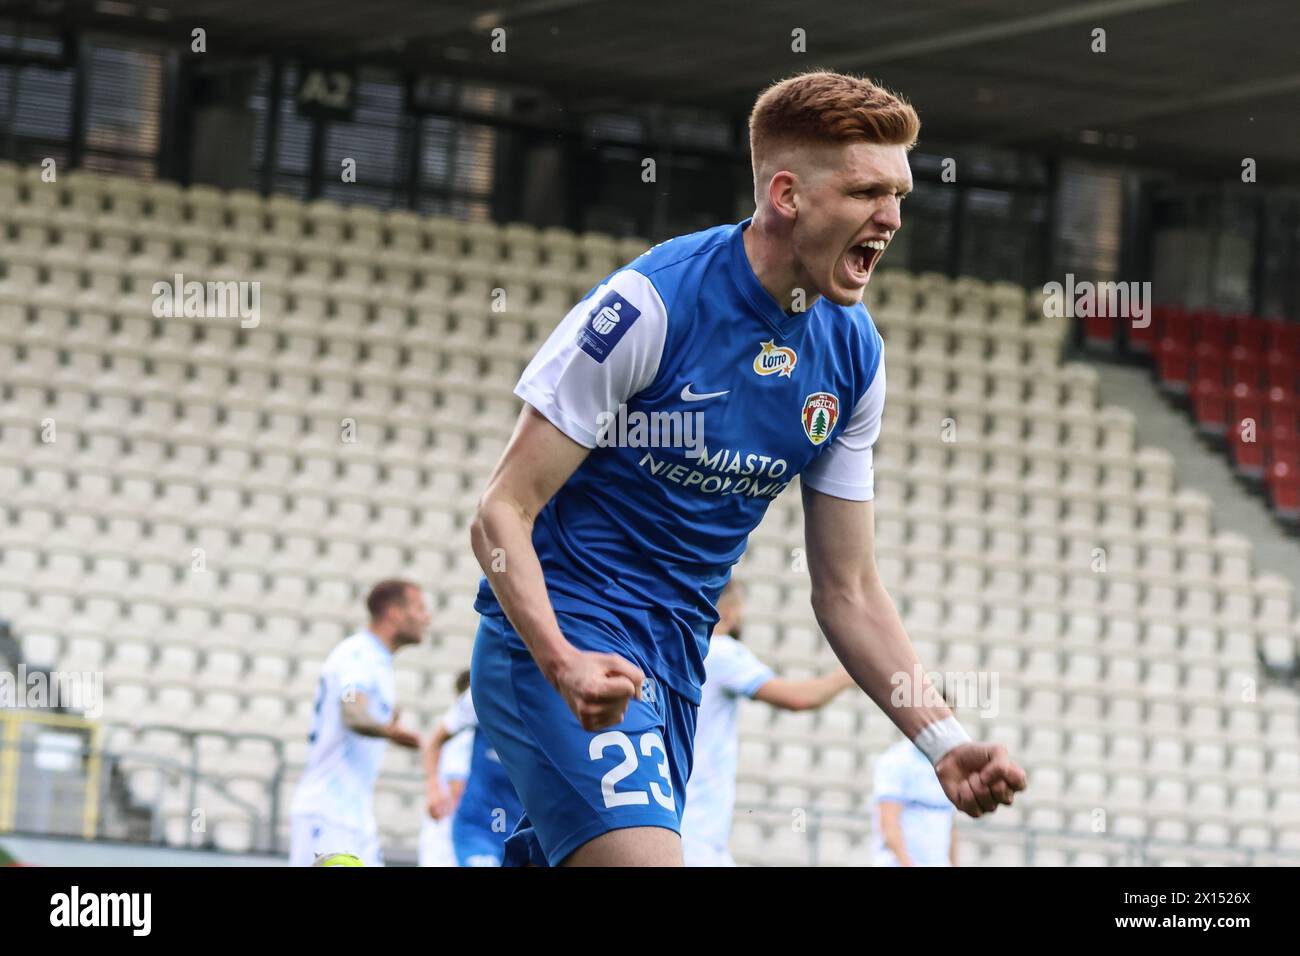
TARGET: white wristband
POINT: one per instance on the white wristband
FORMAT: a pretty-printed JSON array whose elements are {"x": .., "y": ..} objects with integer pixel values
[{"x": 938, "y": 738}]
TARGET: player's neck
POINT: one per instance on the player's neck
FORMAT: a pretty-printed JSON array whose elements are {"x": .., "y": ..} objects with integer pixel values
[
  {"x": 383, "y": 636},
  {"x": 774, "y": 266}
]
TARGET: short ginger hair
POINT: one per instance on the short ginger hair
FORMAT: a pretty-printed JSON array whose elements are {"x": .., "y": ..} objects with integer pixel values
[{"x": 828, "y": 108}]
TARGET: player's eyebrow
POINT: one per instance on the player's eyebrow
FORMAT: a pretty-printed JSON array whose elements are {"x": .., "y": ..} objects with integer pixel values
[{"x": 902, "y": 189}]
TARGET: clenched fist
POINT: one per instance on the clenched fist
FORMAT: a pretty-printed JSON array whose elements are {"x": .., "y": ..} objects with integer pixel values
[
  {"x": 598, "y": 687},
  {"x": 978, "y": 777}
]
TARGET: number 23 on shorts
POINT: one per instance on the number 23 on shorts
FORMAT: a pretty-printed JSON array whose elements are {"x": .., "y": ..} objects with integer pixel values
[{"x": 649, "y": 743}]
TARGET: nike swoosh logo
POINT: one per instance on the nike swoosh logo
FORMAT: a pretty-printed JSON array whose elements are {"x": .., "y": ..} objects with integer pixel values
[{"x": 689, "y": 396}]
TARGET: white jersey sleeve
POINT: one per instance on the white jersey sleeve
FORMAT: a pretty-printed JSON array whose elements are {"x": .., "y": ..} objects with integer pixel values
[
  {"x": 456, "y": 756},
  {"x": 460, "y": 715},
  {"x": 602, "y": 353},
  {"x": 845, "y": 469},
  {"x": 734, "y": 667}
]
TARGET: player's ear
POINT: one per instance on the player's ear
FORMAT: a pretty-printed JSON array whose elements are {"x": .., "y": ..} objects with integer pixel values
[{"x": 781, "y": 193}]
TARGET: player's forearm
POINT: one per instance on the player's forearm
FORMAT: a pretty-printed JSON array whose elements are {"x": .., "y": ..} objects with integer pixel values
[
  {"x": 897, "y": 845},
  {"x": 433, "y": 755},
  {"x": 868, "y": 636},
  {"x": 368, "y": 727},
  {"x": 891, "y": 831},
  {"x": 358, "y": 720},
  {"x": 502, "y": 540},
  {"x": 817, "y": 692}
]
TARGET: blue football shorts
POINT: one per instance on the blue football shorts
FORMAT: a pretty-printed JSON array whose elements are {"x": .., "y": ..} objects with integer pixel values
[{"x": 577, "y": 784}]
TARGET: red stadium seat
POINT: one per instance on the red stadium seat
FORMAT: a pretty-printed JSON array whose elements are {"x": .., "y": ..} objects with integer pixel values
[
  {"x": 1281, "y": 369},
  {"x": 1099, "y": 330},
  {"x": 1247, "y": 456},
  {"x": 1284, "y": 490},
  {"x": 1283, "y": 408},
  {"x": 1285, "y": 337},
  {"x": 1142, "y": 338},
  {"x": 1283, "y": 445},
  {"x": 1173, "y": 322},
  {"x": 1244, "y": 403},
  {"x": 1210, "y": 406},
  {"x": 1173, "y": 365},
  {"x": 1246, "y": 410},
  {"x": 1212, "y": 329},
  {"x": 1210, "y": 361},
  {"x": 1250, "y": 333},
  {"x": 1245, "y": 365}
]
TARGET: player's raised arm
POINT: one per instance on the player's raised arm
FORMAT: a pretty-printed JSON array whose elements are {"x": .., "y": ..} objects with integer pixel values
[{"x": 864, "y": 628}]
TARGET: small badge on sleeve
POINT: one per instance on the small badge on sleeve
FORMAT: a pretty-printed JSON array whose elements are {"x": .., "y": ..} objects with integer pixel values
[
  {"x": 606, "y": 324},
  {"x": 821, "y": 410}
]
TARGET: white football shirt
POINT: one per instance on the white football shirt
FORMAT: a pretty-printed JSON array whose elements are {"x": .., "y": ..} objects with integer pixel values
[
  {"x": 338, "y": 783},
  {"x": 732, "y": 673},
  {"x": 904, "y": 775}
]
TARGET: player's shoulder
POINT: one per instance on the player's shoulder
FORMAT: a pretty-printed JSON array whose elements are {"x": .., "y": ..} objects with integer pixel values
[
  {"x": 678, "y": 251},
  {"x": 721, "y": 648},
  {"x": 850, "y": 337},
  {"x": 649, "y": 287},
  {"x": 678, "y": 265},
  {"x": 358, "y": 648},
  {"x": 349, "y": 648},
  {"x": 854, "y": 323}
]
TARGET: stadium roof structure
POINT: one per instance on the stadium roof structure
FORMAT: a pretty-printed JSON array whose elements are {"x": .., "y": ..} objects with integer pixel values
[{"x": 1195, "y": 83}]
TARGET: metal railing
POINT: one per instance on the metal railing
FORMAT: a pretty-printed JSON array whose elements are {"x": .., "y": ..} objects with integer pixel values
[
  {"x": 65, "y": 775},
  {"x": 1033, "y": 841}
]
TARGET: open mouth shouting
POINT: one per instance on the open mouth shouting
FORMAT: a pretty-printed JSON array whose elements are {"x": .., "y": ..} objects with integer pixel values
[{"x": 861, "y": 259}]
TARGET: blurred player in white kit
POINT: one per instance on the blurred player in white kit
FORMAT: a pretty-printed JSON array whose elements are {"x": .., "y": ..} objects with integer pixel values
[
  {"x": 435, "y": 847},
  {"x": 912, "y": 821},
  {"x": 734, "y": 673},
  {"x": 356, "y": 716}
]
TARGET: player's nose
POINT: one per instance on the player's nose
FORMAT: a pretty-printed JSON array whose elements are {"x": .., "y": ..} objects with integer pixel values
[{"x": 889, "y": 215}]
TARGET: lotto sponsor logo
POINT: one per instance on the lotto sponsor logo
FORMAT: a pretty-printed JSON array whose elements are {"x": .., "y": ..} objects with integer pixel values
[{"x": 773, "y": 359}]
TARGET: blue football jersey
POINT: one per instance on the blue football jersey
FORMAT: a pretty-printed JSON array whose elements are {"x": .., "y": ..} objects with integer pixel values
[{"x": 701, "y": 400}]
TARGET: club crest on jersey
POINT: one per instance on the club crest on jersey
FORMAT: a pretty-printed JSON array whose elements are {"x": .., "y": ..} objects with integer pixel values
[
  {"x": 606, "y": 325},
  {"x": 821, "y": 410},
  {"x": 773, "y": 359}
]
